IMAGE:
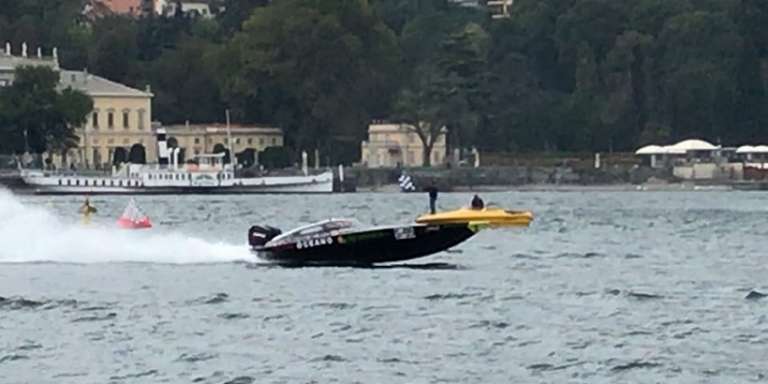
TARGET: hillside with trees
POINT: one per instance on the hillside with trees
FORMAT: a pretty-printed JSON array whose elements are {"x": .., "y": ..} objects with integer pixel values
[{"x": 558, "y": 75}]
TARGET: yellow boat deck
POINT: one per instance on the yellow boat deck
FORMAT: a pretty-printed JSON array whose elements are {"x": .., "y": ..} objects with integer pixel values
[{"x": 493, "y": 217}]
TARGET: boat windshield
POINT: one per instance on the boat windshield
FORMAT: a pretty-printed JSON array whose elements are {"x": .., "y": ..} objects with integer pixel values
[{"x": 318, "y": 228}]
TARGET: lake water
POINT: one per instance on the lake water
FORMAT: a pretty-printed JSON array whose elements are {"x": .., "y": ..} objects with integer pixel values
[{"x": 604, "y": 287}]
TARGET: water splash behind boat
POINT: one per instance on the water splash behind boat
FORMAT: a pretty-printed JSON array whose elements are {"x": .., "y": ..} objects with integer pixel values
[{"x": 33, "y": 234}]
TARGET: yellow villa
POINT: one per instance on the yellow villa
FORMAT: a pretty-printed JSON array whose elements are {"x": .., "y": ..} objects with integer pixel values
[
  {"x": 121, "y": 120},
  {"x": 120, "y": 127},
  {"x": 121, "y": 117},
  {"x": 195, "y": 139},
  {"x": 397, "y": 144}
]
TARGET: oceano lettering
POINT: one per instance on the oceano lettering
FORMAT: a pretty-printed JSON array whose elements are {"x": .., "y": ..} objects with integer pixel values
[{"x": 314, "y": 242}]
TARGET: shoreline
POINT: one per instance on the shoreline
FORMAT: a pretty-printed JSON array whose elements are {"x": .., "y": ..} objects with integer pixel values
[{"x": 623, "y": 187}]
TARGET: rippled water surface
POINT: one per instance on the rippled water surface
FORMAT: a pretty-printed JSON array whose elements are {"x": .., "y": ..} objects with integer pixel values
[{"x": 604, "y": 287}]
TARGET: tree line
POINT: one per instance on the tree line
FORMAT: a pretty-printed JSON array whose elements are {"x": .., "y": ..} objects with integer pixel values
[{"x": 557, "y": 75}]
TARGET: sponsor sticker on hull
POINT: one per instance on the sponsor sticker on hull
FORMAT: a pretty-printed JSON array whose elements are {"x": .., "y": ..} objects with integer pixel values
[{"x": 315, "y": 242}]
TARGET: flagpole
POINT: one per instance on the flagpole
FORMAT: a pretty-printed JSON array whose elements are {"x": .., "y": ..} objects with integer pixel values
[{"x": 229, "y": 138}]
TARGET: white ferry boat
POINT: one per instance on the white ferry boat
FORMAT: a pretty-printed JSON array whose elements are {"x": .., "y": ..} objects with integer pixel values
[
  {"x": 202, "y": 178},
  {"x": 207, "y": 173}
]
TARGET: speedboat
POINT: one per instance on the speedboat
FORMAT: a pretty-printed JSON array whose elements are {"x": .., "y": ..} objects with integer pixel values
[
  {"x": 347, "y": 242},
  {"x": 491, "y": 217}
]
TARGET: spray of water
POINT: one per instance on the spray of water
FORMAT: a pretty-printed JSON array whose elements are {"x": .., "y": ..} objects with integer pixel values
[{"x": 32, "y": 234}]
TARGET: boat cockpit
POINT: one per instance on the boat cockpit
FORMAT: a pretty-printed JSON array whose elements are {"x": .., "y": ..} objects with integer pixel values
[{"x": 325, "y": 227}]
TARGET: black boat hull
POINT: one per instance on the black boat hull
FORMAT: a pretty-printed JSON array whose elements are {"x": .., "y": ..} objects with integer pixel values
[{"x": 391, "y": 244}]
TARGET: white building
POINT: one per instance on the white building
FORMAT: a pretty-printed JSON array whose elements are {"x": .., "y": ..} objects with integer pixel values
[
  {"x": 199, "y": 8},
  {"x": 497, "y": 8},
  {"x": 657, "y": 156},
  {"x": 9, "y": 62}
]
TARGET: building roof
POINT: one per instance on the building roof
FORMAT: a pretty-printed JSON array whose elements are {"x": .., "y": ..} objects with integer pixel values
[
  {"x": 680, "y": 148},
  {"x": 97, "y": 86},
  {"x": 121, "y": 6},
  {"x": 651, "y": 150},
  {"x": 694, "y": 145},
  {"x": 752, "y": 149},
  {"x": 385, "y": 127}
]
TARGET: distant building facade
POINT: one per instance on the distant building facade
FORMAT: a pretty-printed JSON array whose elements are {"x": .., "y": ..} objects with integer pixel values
[
  {"x": 100, "y": 8},
  {"x": 696, "y": 159},
  {"x": 9, "y": 62},
  {"x": 199, "y": 8},
  {"x": 121, "y": 120},
  {"x": 397, "y": 144},
  {"x": 124, "y": 7},
  {"x": 195, "y": 139},
  {"x": 497, "y": 8},
  {"x": 121, "y": 116}
]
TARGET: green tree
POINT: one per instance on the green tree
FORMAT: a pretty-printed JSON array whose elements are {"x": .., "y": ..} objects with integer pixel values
[
  {"x": 38, "y": 117},
  {"x": 698, "y": 57},
  {"x": 323, "y": 67},
  {"x": 751, "y": 104},
  {"x": 426, "y": 105},
  {"x": 114, "y": 52},
  {"x": 236, "y": 12},
  {"x": 184, "y": 84}
]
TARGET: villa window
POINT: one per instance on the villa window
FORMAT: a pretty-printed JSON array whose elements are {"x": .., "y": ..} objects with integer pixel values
[
  {"x": 141, "y": 118},
  {"x": 261, "y": 141},
  {"x": 250, "y": 140},
  {"x": 95, "y": 118},
  {"x": 197, "y": 140},
  {"x": 125, "y": 119},
  {"x": 110, "y": 120},
  {"x": 274, "y": 141}
]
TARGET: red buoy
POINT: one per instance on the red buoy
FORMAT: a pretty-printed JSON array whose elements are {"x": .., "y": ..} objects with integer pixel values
[{"x": 133, "y": 218}]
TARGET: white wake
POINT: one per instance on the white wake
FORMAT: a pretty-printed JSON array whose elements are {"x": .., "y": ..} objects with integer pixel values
[{"x": 32, "y": 234}]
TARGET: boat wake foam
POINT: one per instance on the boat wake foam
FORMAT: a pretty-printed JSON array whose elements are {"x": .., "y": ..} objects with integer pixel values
[{"x": 32, "y": 234}]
